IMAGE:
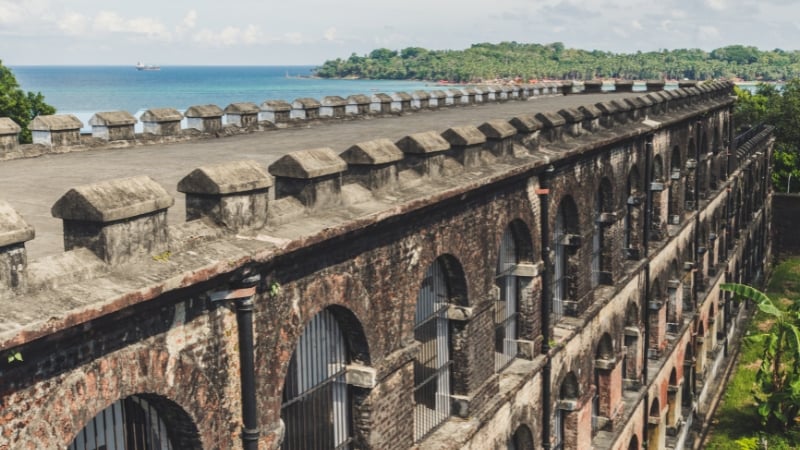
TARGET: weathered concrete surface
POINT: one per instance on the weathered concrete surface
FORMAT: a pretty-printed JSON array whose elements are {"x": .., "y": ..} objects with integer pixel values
[{"x": 32, "y": 186}]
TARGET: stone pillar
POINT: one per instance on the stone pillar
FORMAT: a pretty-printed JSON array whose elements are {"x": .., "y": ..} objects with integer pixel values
[
  {"x": 275, "y": 111},
  {"x": 425, "y": 152},
  {"x": 528, "y": 128},
  {"x": 401, "y": 102},
  {"x": 57, "y": 130},
  {"x": 113, "y": 126},
  {"x": 574, "y": 121},
  {"x": 654, "y": 85},
  {"x": 420, "y": 99},
  {"x": 14, "y": 232},
  {"x": 623, "y": 85},
  {"x": 591, "y": 117},
  {"x": 499, "y": 137},
  {"x": 381, "y": 103},
  {"x": 232, "y": 195},
  {"x": 162, "y": 121},
  {"x": 305, "y": 108},
  {"x": 552, "y": 125},
  {"x": 205, "y": 118},
  {"x": 357, "y": 104},
  {"x": 312, "y": 176},
  {"x": 9, "y": 135},
  {"x": 454, "y": 97},
  {"x": 438, "y": 99},
  {"x": 592, "y": 86},
  {"x": 466, "y": 143},
  {"x": 333, "y": 106},
  {"x": 373, "y": 164},
  {"x": 244, "y": 114},
  {"x": 468, "y": 96},
  {"x": 117, "y": 220}
]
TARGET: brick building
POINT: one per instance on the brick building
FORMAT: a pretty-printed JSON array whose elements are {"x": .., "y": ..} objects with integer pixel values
[{"x": 546, "y": 281}]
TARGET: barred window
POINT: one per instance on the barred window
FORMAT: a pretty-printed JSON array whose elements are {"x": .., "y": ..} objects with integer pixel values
[
  {"x": 507, "y": 311},
  {"x": 316, "y": 404},
  {"x": 432, "y": 365},
  {"x": 128, "y": 424}
]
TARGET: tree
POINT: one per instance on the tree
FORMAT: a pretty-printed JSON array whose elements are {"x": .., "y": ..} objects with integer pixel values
[
  {"x": 19, "y": 106},
  {"x": 778, "y": 376}
]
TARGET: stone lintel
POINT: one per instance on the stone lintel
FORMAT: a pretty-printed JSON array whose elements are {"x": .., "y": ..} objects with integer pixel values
[
  {"x": 226, "y": 178},
  {"x": 497, "y": 129},
  {"x": 361, "y": 376},
  {"x": 333, "y": 100},
  {"x": 401, "y": 97},
  {"x": 423, "y": 143},
  {"x": 358, "y": 99},
  {"x": 550, "y": 119},
  {"x": 571, "y": 115},
  {"x": 459, "y": 313},
  {"x": 372, "y": 153},
  {"x": 159, "y": 115},
  {"x": 203, "y": 111},
  {"x": 56, "y": 122},
  {"x": 13, "y": 228},
  {"x": 305, "y": 103},
  {"x": 380, "y": 97},
  {"x": 8, "y": 126},
  {"x": 306, "y": 164},
  {"x": 112, "y": 119},
  {"x": 526, "y": 123},
  {"x": 276, "y": 106},
  {"x": 242, "y": 108},
  {"x": 112, "y": 200},
  {"x": 464, "y": 135}
]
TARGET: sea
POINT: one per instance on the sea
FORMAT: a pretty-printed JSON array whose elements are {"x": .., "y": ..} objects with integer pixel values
[{"x": 86, "y": 90}]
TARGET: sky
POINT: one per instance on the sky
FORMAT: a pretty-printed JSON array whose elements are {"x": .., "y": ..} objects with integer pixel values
[{"x": 308, "y": 32}]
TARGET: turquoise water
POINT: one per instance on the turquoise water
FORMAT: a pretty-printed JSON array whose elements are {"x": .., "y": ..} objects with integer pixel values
[{"x": 84, "y": 90}]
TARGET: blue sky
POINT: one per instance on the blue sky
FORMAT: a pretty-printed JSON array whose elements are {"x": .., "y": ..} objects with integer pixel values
[{"x": 267, "y": 32}]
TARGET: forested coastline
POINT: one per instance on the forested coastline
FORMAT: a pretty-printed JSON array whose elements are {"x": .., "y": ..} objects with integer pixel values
[{"x": 513, "y": 60}]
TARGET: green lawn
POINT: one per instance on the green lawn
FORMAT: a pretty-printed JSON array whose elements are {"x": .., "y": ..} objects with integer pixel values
[{"x": 736, "y": 421}]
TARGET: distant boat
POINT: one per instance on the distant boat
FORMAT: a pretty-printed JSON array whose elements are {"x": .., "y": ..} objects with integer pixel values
[{"x": 140, "y": 66}]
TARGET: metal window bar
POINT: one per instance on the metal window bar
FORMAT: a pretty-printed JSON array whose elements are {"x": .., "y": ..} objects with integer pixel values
[
  {"x": 316, "y": 405},
  {"x": 597, "y": 244},
  {"x": 558, "y": 427},
  {"x": 596, "y": 402},
  {"x": 506, "y": 311},
  {"x": 559, "y": 269},
  {"x": 432, "y": 366},
  {"x": 128, "y": 424}
]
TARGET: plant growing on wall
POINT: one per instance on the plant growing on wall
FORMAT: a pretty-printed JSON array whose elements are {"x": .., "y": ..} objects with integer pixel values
[{"x": 778, "y": 376}]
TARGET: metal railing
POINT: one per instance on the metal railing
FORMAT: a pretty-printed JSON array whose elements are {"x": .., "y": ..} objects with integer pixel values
[{"x": 129, "y": 424}]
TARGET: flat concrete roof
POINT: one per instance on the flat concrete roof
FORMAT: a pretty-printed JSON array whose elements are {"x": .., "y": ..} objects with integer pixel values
[{"x": 32, "y": 186}]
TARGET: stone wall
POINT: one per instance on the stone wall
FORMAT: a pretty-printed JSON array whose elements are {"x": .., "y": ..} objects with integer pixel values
[{"x": 354, "y": 235}]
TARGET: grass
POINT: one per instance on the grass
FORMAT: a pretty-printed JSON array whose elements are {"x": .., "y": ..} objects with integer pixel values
[{"x": 736, "y": 422}]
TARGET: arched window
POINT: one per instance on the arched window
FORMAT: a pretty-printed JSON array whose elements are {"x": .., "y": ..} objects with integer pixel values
[
  {"x": 568, "y": 398},
  {"x": 675, "y": 202},
  {"x": 601, "y": 248},
  {"x": 432, "y": 366},
  {"x": 633, "y": 217},
  {"x": 133, "y": 423},
  {"x": 522, "y": 439},
  {"x": 604, "y": 368},
  {"x": 566, "y": 242},
  {"x": 316, "y": 403},
  {"x": 507, "y": 311},
  {"x": 655, "y": 437}
]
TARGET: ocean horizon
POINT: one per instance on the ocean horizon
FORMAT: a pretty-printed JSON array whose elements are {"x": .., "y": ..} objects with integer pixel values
[{"x": 86, "y": 90}]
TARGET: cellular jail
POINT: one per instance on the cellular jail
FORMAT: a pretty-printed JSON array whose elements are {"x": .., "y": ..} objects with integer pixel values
[{"x": 544, "y": 277}]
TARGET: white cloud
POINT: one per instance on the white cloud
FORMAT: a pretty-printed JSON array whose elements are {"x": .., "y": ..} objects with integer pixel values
[
  {"x": 708, "y": 32},
  {"x": 330, "y": 34},
  {"x": 111, "y": 22},
  {"x": 73, "y": 24},
  {"x": 190, "y": 20},
  {"x": 11, "y": 13},
  {"x": 716, "y": 5},
  {"x": 636, "y": 24},
  {"x": 229, "y": 36}
]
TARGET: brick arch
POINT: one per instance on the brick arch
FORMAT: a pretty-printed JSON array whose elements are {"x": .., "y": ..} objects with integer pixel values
[
  {"x": 78, "y": 397},
  {"x": 633, "y": 443},
  {"x": 523, "y": 239},
  {"x": 604, "y": 349},
  {"x": 522, "y": 439},
  {"x": 569, "y": 387}
]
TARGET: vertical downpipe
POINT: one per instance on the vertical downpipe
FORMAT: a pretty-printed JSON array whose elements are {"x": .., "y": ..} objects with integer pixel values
[
  {"x": 648, "y": 218},
  {"x": 544, "y": 199},
  {"x": 244, "y": 320}
]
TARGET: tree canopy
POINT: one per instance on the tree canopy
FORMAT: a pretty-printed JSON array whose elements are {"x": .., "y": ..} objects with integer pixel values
[
  {"x": 554, "y": 61},
  {"x": 18, "y": 105}
]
